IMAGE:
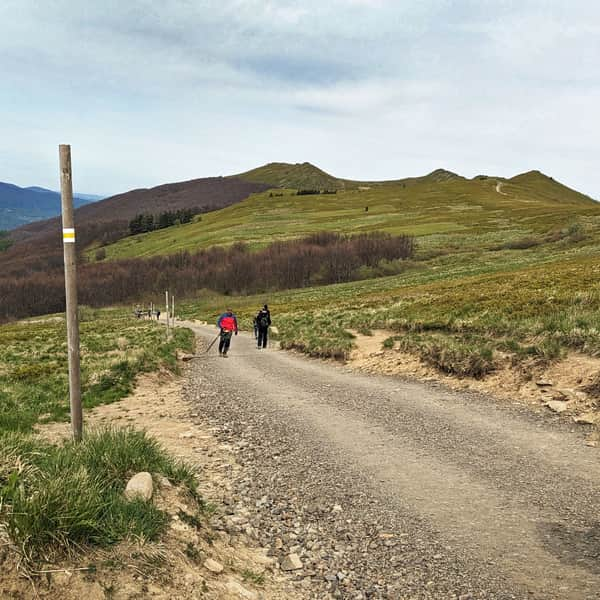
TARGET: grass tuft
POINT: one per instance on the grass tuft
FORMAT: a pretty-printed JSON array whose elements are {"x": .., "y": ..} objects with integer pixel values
[{"x": 56, "y": 498}]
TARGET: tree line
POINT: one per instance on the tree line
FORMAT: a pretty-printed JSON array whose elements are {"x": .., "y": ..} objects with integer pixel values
[
  {"x": 308, "y": 192},
  {"x": 5, "y": 241},
  {"x": 144, "y": 222},
  {"x": 319, "y": 259}
]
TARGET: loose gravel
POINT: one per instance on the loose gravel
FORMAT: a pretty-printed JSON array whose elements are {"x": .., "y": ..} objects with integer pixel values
[{"x": 373, "y": 487}]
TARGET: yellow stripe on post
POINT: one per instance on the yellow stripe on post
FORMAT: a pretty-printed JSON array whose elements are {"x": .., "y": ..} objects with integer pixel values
[{"x": 69, "y": 234}]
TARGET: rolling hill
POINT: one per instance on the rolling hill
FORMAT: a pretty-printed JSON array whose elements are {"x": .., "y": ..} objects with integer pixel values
[
  {"x": 108, "y": 218},
  {"x": 305, "y": 176},
  {"x": 437, "y": 208},
  {"x": 297, "y": 176},
  {"x": 19, "y": 206},
  {"x": 462, "y": 227}
]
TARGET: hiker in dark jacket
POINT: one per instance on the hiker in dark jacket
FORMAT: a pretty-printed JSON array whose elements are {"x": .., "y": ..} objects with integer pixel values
[
  {"x": 263, "y": 321},
  {"x": 227, "y": 323}
]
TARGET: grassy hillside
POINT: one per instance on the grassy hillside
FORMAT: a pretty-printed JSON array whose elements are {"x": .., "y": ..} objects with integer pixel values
[
  {"x": 299, "y": 176},
  {"x": 307, "y": 176},
  {"x": 114, "y": 347},
  {"x": 505, "y": 268},
  {"x": 458, "y": 320},
  {"x": 57, "y": 498},
  {"x": 445, "y": 212}
]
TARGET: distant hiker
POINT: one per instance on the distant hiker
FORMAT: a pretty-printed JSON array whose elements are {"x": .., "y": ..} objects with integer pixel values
[
  {"x": 157, "y": 314},
  {"x": 263, "y": 321},
  {"x": 227, "y": 322}
]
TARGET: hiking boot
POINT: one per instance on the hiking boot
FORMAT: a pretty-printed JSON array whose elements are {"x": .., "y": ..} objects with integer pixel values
[{"x": 224, "y": 355}]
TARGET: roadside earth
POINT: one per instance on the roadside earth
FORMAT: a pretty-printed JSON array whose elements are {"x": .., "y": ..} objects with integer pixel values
[
  {"x": 367, "y": 487},
  {"x": 197, "y": 557},
  {"x": 560, "y": 387}
]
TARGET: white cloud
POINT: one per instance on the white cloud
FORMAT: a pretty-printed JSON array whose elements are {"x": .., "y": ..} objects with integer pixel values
[{"x": 366, "y": 88}]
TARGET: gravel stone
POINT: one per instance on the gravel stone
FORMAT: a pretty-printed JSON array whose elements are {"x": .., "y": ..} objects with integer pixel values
[{"x": 443, "y": 494}]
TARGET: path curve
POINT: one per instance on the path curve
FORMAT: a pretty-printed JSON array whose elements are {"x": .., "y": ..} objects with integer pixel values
[{"x": 499, "y": 188}]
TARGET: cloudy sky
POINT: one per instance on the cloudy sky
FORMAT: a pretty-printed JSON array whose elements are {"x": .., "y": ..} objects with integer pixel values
[{"x": 150, "y": 91}]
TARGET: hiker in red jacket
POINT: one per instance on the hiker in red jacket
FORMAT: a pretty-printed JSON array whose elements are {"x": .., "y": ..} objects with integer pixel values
[{"x": 228, "y": 324}]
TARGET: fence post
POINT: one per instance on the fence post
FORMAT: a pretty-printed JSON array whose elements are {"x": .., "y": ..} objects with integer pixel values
[
  {"x": 70, "y": 258},
  {"x": 173, "y": 310},
  {"x": 167, "y": 310}
]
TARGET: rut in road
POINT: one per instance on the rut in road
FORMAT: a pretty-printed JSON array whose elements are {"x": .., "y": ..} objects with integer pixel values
[{"x": 478, "y": 498}]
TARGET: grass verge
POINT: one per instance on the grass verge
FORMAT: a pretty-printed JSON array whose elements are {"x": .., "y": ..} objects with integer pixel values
[
  {"x": 115, "y": 348},
  {"x": 54, "y": 499}
]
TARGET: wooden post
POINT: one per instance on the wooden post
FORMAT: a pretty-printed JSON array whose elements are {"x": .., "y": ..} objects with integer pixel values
[
  {"x": 173, "y": 310},
  {"x": 70, "y": 257},
  {"x": 167, "y": 310}
]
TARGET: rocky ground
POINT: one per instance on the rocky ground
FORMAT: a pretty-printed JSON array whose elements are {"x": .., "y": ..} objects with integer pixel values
[
  {"x": 193, "y": 559},
  {"x": 374, "y": 487}
]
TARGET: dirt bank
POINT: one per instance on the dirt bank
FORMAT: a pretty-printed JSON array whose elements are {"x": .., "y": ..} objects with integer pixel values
[
  {"x": 562, "y": 385},
  {"x": 176, "y": 567}
]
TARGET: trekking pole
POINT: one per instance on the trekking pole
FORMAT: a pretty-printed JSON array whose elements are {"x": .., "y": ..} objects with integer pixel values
[
  {"x": 212, "y": 343},
  {"x": 186, "y": 358}
]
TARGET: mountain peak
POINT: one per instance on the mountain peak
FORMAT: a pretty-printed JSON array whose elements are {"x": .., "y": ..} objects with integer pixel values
[
  {"x": 293, "y": 175},
  {"x": 440, "y": 175}
]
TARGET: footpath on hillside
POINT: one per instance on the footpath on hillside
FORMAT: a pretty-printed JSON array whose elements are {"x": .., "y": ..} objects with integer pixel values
[{"x": 363, "y": 486}]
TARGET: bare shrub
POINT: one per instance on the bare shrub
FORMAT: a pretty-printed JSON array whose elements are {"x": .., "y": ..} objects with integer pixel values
[{"x": 322, "y": 258}]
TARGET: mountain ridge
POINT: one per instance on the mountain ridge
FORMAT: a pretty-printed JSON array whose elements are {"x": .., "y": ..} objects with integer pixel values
[
  {"x": 22, "y": 205},
  {"x": 440, "y": 203}
]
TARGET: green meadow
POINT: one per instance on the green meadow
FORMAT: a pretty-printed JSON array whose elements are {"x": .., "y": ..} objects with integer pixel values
[
  {"x": 58, "y": 498},
  {"x": 502, "y": 266},
  {"x": 454, "y": 215}
]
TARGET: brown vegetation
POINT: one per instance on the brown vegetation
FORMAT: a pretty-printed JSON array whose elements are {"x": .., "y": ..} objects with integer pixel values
[
  {"x": 319, "y": 259},
  {"x": 31, "y": 268}
]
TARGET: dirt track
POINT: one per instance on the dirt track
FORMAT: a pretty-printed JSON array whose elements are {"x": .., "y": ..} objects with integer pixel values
[{"x": 392, "y": 489}]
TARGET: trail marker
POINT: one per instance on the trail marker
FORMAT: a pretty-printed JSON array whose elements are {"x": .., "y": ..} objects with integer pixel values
[{"x": 70, "y": 258}]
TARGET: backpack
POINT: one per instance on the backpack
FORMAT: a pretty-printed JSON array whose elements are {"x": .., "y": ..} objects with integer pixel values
[{"x": 263, "y": 319}]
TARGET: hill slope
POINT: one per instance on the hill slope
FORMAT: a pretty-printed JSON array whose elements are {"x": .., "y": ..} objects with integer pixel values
[
  {"x": 19, "y": 206},
  {"x": 298, "y": 176},
  {"x": 34, "y": 256},
  {"x": 109, "y": 217},
  {"x": 305, "y": 176},
  {"x": 439, "y": 208}
]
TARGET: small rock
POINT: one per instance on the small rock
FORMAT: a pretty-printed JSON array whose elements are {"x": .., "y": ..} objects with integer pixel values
[
  {"x": 213, "y": 566},
  {"x": 164, "y": 482},
  {"x": 240, "y": 591},
  {"x": 278, "y": 544},
  {"x": 291, "y": 562},
  {"x": 557, "y": 406},
  {"x": 139, "y": 486},
  {"x": 592, "y": 444},
  {"x": 586, "y": 419},
  {"x": 543, "y": 383}
]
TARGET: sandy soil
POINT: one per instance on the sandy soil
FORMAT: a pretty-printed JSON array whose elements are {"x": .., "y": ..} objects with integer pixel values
[
  {"x": 174, "y": 568},
  {"x": 563, "y": 381}
]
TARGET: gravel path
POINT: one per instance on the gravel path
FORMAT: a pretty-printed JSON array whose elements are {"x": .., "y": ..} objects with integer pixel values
[{"x": 393, "y": 489}]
